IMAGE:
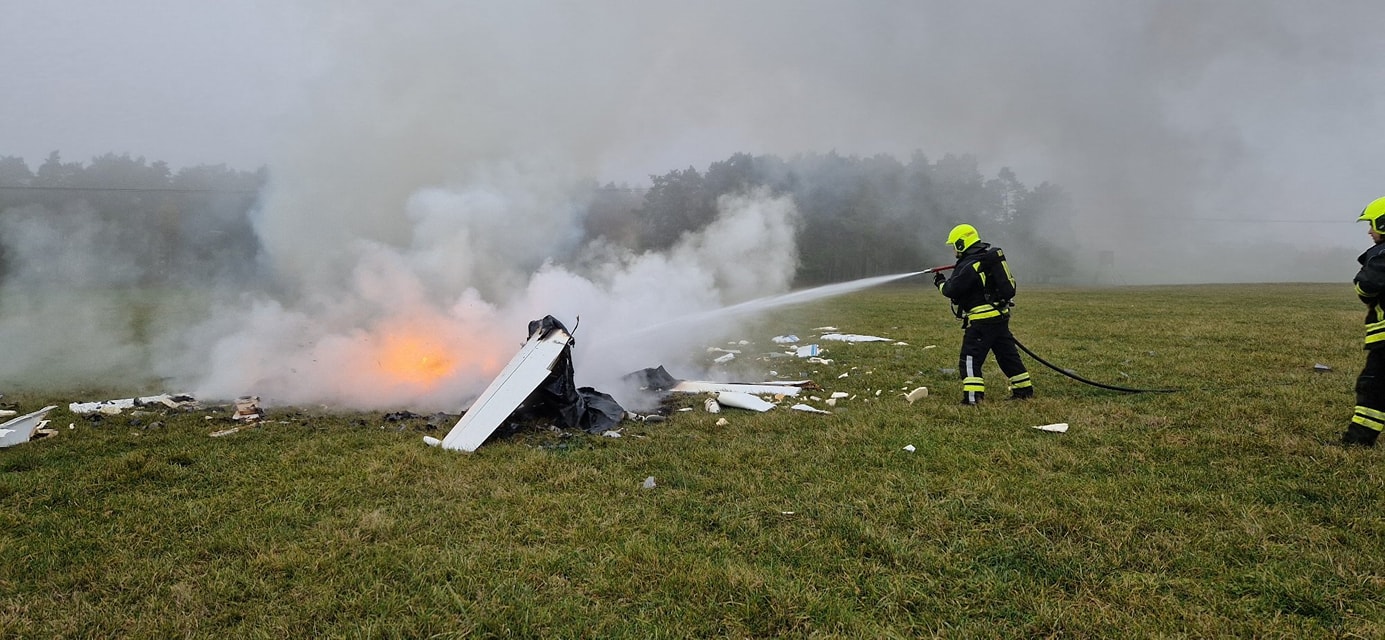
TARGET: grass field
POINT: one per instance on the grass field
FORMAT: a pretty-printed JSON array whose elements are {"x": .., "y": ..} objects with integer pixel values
[{"x": 1225, "y": 509}]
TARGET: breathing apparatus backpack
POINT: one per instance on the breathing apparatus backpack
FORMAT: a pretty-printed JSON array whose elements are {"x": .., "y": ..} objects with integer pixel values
[{"x": 1000, "y": 283}]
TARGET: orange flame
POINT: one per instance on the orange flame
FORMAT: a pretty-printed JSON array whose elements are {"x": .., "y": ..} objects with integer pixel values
[{"x": 414, "y": 358}]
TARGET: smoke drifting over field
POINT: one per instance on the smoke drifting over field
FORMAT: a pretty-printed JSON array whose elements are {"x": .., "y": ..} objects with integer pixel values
[{"x": 421, "y": 203}]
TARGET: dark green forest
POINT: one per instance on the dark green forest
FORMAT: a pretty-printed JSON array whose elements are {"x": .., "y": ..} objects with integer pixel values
[{"x": 859, "y": 216}]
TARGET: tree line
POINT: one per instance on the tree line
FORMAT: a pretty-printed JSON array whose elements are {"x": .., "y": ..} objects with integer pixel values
[{"x": 859, "y": 216}]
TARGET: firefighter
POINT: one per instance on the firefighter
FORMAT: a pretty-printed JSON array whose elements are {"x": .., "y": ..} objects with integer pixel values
[
  {"x": 1369, "y": 416},
  {"x": 981, "y": 288}
]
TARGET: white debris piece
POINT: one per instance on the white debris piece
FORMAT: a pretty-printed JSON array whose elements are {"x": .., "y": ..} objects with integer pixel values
[
  {"x": 916, "y": 394},
  {"x": 840, "y": 394},
  {"x": 901, "y": 344},
  {"x": 611, "y": 434},
  {"x": 6, "y": 413},
  {"x": 909, "y": 448},
  {"x": 648, "y": 483},
  {"x": 809, "y": 409},
  {"x": 826, "y": 329},
  {"x": 789, "y": 339},
  {"x": 724, "y": 358},
  {"x": 808, "y": 351},
  {"x": 831, "y": 402},
  {"x": 431, "y": 441},
  {"x": 743, "y": 401},
  {"x": 1060, "y": 427},
  {"x": 111, "y": 407},
  {"x": 20, "y": 430},
  {"x": 721, "y": 422},
  {"x": 721, "y": 350},
  {"x": 788, "y": 387},
  {"x": 853, "y": 337},
  {"x": 711, "y": 405},
  {"x": 931, "y": 346}
]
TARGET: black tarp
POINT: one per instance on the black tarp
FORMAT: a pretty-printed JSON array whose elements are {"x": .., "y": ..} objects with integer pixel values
[{"x": 558, "y": 396}]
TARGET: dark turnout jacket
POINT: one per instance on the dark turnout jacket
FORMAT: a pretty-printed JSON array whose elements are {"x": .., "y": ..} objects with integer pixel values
[{"x": 981, "y": 284}]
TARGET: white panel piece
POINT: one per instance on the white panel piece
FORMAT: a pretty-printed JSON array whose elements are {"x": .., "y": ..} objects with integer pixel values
[
  {"x": 743, "y": 401},
  {"x": 773, "y": 388},
  {"x": 853, "y": 337},
  {"x": 19, "y": 430},
  {"x": 525, "y": 372}
]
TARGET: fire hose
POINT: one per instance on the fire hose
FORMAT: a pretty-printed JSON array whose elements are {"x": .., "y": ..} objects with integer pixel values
[{"x": 940, "y": 269}]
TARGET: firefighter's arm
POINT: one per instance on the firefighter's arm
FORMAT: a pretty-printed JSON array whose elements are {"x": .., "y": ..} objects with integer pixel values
[{"x": 1367, "y": 291}]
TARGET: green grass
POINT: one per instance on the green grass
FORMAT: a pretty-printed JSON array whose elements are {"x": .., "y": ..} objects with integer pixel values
[{"x": 1226, "y": 509}]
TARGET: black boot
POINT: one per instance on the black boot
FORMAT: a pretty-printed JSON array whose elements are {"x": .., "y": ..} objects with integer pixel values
[
  {"x": 975, "y": 398},
  {"x": 1359, "y": 435},
  {"x": 1022, "y": 394}
]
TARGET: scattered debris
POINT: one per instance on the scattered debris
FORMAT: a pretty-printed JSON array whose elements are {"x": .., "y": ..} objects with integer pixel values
[
  {"x": 826, "y": 329},
  {"x": 113, "y": 407},
  {"x": 839, "y": 394},
  {"x": 916, "y": 394},
  {"x": 1060, "y": 427},
  {"x": 724, "y": 358},
  {"x": 648, "y": 483},
  {"x": 20, "y": 430},
  {"x": 248, "y": 409},
  {"x": 6, "y": 413},
  {"x": 843, "y": 376},
  {"x": 808, "y": 351},
  {"x": 721, "y": 422},
  {"x": 741, "y": 400},
  {"x": 224, "y": 432},
  {"x": 853, "y": 337},
  {"x": 789, "y": 339},
  {"x": 809, "y": 409},
  {"x": 788, "y": 388},
  {"x": 909, "y": 448},
  {"x": 931, "y": 346},
  {"x": 1321, "y": 368},
  {"x": 431, "y": 441},
  {"x": 611, "y": 434},
  {"x": 711, "y": 405}
]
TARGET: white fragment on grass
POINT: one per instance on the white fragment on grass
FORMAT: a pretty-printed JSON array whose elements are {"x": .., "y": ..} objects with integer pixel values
[
  {"x": 840, "y": 394},
  {"x": 1059, "y": 427},
  {"x": 725, "y": 358},
  {"x": 808, "y": 409},
  {"x": 916, "y": 394},
  {"x": 843, "y": 376},
  {"x": 648, "y": 483},
  {"x": 721, "y": 422},
  {"x": 611, "y": 434},
  {"x": 431, "y": 441},
  {"x": 909, "y": 448},
  {"x": 931, "y": 346}
]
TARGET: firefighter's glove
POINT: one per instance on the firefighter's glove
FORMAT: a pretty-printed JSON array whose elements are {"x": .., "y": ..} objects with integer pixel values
[{"x": 939, "y": 279}]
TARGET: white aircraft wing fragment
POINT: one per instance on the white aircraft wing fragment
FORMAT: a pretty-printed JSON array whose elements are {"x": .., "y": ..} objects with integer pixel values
[
  {"x": 21, "y": 429},
  {"x": 521, "y": 376}
]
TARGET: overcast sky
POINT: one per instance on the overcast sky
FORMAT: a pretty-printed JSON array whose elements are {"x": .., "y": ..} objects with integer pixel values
[{"x": 1264, "y": 112}]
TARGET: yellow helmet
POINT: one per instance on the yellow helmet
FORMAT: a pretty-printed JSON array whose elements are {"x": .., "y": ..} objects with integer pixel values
[
  {"x": 1375, "y": 213},
  {"x": 965, "y": 235}
]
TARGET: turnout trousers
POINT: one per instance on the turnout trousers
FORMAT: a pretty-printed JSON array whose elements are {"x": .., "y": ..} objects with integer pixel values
[
  {"x": 1369, "y": 416},
  {"x": 980, "y": 338}
]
